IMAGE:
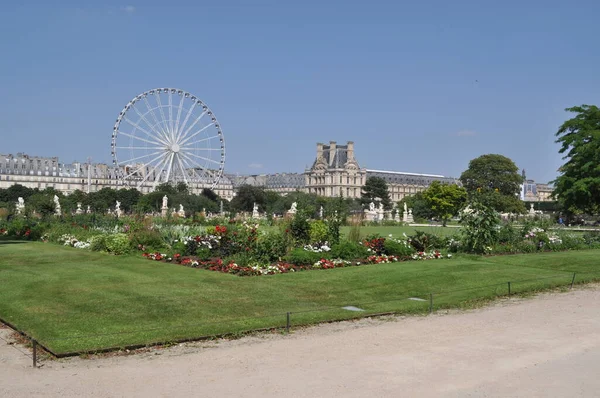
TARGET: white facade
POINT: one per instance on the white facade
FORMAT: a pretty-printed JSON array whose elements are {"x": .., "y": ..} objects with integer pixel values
[{"x": 48, "y": 172}]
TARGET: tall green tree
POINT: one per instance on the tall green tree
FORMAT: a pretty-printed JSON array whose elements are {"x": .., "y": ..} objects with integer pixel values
[
  {"x": 418, "y": 204},
  {"x": 577, "y": 188},
  {"x": 376, "y": 187},
  {"x": 445, "y": 200},
  {"x": 246, "y": 196},
  {"x": 495, "y": 181}
]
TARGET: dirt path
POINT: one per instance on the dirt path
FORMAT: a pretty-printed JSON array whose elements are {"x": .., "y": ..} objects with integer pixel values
[{"x": 548, "y": 346}]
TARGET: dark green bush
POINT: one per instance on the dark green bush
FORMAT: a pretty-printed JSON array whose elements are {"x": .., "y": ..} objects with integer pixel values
[
  {"x": 117, "y": 243},
  {"x": 146, "y": 238},
  {"x": 98, "y": 243},
  {"x": 423, "y": 241},
  {"x": 395, "y": 247},
  {"x": 270, "y": 247},
  {"x": 348, "y": 250},
  {"x": 300, "y": 256}
]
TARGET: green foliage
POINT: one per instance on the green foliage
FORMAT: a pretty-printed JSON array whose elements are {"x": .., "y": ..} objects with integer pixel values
[
  {"x": 247, "y": 196},
  {"x": 420, "y": 208},
  {"x": 495, "y": 181},
  {"x": 444, "y": 200},
  {"x": 480, "y": 228},
  {"x": 318, "y": 231},
  {"x": 98, "y": 243},
  {"x": 423, "y": 241},
  {"x": 299, "y": 256},
  {"x": 354, "y": 233},
  {"x": 349, "y": 250},
  {"x": 376, "y": 187},
  {"x": 300, "y": 227},
  {"x": 270, "y": 247},
  {"x": 117, "y": 243},
  {"x": 508, "y": 234},
  {"x": 148, "y": 238},
  {"x": 577, "y": 188},
  {"x": 396, "y": 247}
]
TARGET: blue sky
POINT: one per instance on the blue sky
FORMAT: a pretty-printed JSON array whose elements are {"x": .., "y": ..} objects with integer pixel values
[{"x": 420, "y": 86}]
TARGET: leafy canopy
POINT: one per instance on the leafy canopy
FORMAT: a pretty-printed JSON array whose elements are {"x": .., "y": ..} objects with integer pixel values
[
  {"x": 376, "y": 187},
  {"x": 495, "y": 181},
  {"x": 444, "y": 200},
  {"x": 577, "y": 187}
]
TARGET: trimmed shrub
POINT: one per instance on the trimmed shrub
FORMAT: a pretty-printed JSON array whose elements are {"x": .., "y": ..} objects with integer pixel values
[
  {"x": 318, "y": 231},
  {"x": 395, "y": 247},
  {"x": 117, "y": 244},
  {"x": 348, "y": 250},
  {"x": 303, "y": 257},
  {"x": 98, "y": 243}
]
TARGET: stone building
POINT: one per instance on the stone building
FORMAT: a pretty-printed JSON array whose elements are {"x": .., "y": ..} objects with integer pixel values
[
  {"x": 336, "y": 171},
  {"x": 282, "y": 183},
  {"x": 48, "y": 172},
  {"x": 536, "y": 192}
]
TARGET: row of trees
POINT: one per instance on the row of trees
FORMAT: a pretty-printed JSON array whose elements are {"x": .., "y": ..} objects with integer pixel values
[{"x": 492, "y": 179}]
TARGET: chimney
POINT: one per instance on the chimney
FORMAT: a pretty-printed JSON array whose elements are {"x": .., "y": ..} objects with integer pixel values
[
  {"x": 332, "y": 148},
  {"x": 350, "y": 150},
  {"x": 319, "y": 150}
]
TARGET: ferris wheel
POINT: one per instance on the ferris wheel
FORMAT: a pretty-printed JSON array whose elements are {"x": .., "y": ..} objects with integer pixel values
[{"x": 168, "y": 135}]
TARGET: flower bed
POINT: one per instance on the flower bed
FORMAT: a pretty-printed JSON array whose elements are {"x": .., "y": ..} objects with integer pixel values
[{"x": 281, "y": 267}]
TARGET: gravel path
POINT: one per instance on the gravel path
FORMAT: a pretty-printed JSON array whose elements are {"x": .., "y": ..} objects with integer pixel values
[{"x": 547, "y": 346}]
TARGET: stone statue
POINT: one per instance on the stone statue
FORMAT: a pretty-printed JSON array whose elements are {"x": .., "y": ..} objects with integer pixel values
[
  {"x": 405, "y": 208},
  {"x": 255, "y": 211},
  {"x": 293, "y": 209},
  {"x": 321, "y": 212},
  {"x": 20, "y": 205},
  {"x": 89, "y": 209},
  {"x": 380, "y": 207},
  {"x": 79, "y": 209},
  {"x": 165, "y": 202},
  {"x": 372, "y": 207},
  {"x": 118, "y": 210},
  {"x": 57, "y": 209},
  {"x": 531, "y": 210},
  {"x": 181, "y": 212}
]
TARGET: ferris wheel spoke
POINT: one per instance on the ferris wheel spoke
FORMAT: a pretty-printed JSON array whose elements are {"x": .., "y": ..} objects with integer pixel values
[
  {"x": 171, "y": 116},
  {"x": 199, "y": 149},
  {"x": 133, "y": 147},
  {"x": 187, "y": 117},
  {"x": 162, "y": 113},
  {"x": 150, "y": 172},
  {"x": 137, "y": 126},
  {"x": 195, "y": 134},
  {"x": 141, "y": 157},
  {"x": 151, "y": 111},
  {"x": 144, "y": 165},
  {"x": 195, "y": 165},
  {"x": 170, "y": 166},
  {"x": 160, "y": 134},
  {"x": 203, "y": 158},
  {"x": 179, "y": 109},
  {"x": 182, "y": 169},
  {"x": 142, "y": 139},
  {"x": 192, "y": 126}
]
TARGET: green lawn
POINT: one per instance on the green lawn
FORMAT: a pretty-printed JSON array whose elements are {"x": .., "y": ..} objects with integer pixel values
[{"x": 74, "y": 300}]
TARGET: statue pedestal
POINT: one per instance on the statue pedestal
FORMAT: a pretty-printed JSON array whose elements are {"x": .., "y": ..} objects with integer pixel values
[
  {"x": 370, "y": 215},
  {"x": 405, "y": 217},
  {"x": 164, "y": 211}
]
